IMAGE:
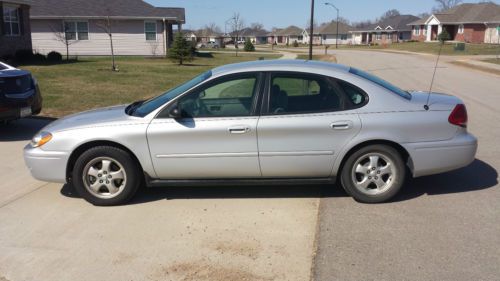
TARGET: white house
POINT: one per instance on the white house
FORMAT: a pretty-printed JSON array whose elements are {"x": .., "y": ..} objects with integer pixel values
[{"x": 137, "y": 27}]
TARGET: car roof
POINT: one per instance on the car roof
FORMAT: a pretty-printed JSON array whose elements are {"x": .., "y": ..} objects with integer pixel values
[{"x": 280, "y": 65}]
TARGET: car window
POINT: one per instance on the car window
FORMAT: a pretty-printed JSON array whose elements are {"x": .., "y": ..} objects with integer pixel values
[
  {"x": 296, "y": 94},
  {"x": 380, "y": 82},
  {"x": 154, "y": 103},
  {"x": 355, "y": 95},
  {"x": 229, "y": 97}
]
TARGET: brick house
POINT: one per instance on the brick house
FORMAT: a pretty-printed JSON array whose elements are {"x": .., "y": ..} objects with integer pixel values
[
  {"x": 15, "y": 30},
  {"x": 471, "y": 23},
  {"x": 391, "y": 30}
]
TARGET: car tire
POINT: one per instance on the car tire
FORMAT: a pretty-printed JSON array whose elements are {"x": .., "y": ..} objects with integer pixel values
[
  {"x": 106, "y": 176},
  {"x": 373, "y": 174}
]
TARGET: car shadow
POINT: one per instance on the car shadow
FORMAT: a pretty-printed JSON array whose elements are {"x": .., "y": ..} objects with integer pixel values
[
  {"x": 477, "y": 176},
  {"x": 23, "y": 129}
]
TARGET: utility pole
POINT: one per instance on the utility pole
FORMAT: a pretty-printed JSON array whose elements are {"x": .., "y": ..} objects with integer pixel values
[
  {"x": 311, "y": 31},
  {"x": 337, "y": 35}
]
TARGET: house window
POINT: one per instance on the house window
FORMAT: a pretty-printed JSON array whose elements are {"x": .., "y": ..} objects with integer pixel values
[
  {"x": 425, "y": 30},
  {"x": 461, "y": 29},
  {"x": 324, "y": 37},
  {"x": 417, "y": 30},
  {"x": 76, "y": 30},
  {"x": 378, "y": 36},
  {"x": 11, "y": 21},
  {"x": 301, "y": 37},
  {"x": 388, "y": 36},
  {"x": 150, "y": 30},
  {"x": 343, "y": 37}
]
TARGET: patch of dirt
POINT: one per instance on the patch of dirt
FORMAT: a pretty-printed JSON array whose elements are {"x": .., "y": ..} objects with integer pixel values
[
  {"x": 200, "y": 271},
  {"x": 246, "y": 249},
  {"x": 3, "y": 278}
]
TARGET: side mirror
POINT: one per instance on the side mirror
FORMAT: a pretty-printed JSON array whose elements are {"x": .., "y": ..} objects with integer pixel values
[{"x": 175, "y": 112}]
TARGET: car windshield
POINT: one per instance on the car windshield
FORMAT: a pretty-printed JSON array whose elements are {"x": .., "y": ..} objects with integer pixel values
[
  {"x": 380, "y": 82},
  {"x": 146, "y": 107}
]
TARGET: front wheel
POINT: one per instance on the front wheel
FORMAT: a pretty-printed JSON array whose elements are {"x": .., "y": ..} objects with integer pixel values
[
  {"x": 106, "y": 176},
  {"x": 373, "y": 174}
]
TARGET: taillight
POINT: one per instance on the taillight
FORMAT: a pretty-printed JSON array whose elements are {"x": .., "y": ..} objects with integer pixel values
[{"x": 458, "y": 116}]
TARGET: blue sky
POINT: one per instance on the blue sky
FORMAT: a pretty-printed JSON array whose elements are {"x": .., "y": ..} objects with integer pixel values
[{"x": 281, "y": 13}]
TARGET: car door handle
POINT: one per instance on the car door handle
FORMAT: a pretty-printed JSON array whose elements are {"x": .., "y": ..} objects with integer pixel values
[
  {"x": 342, "y": 125},
  {"x": 239, "y": 130}
]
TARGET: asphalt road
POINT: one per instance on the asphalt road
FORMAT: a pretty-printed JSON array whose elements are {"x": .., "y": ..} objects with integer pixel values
[{"x": 443, "y": 227}]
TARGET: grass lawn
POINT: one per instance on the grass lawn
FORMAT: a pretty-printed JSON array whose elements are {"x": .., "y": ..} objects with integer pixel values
[
  {"x": 496, "y": 61},
  {"x": 433, "y": 48},
  {"x": 89, "y": 83}
]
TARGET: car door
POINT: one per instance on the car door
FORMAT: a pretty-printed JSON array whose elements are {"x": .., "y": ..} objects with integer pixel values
[
  {"x": 215, "y": 135},
  {"x": 306, "y": 121}
]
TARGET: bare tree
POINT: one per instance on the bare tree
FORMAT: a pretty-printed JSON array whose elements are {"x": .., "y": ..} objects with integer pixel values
[
  {"x": 443, "y": 5},
  {"x": 106, "y": 25},
  {"x": 154, "y": 46},
  {"x": 362, "y": 24},
  {"x": 212, "y": 28},
  {"x": 257, "y": 26},
  {"x": 424, "y": 15},
  {"x": 237, "y": 24},
  {"x": 61, "y": 34},
  {"x": 308, "y": 24},
  {"x": 389, "y": 14},
  {"x": 344, "y": 21}
]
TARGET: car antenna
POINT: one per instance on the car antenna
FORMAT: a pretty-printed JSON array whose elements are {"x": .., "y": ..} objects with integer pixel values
[{"x": 426, "y": 106}]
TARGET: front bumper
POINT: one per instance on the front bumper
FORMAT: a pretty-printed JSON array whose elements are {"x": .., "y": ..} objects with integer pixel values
[
  {"x": 429, "y": 158},
  {"x": 47, "y": 166},
  {"x": 12, "y": 108}
]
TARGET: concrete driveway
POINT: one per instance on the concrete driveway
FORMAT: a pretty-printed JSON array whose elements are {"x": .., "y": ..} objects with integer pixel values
[
  {"x": 443, "y": 227},
  {"x": 230, "y": 233}
]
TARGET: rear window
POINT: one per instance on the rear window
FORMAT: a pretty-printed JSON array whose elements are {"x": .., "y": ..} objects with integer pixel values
[{"x": 380, "y": 82}]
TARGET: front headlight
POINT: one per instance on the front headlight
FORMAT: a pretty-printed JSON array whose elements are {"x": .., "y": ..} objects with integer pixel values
[{"x": 41, "y": 139}]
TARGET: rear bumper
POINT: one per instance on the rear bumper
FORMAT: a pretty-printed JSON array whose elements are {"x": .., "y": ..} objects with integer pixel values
[
  {"x": 47, "y": 166},
  {"x": 428, "y": 158}
]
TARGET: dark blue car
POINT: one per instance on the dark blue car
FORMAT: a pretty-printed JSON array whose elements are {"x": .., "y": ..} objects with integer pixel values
[{"x": 19, "y": 94}]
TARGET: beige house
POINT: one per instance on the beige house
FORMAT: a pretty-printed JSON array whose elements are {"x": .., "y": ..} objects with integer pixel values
[
  {"x": 15, "y": 31},
  {"x": 137, "y": 27},
  {"x": 326, "y": 34}
]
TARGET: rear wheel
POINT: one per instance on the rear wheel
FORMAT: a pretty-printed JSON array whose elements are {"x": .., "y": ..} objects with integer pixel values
[
  {"x": 373, "y": 174},
  {"x": 106, "y": 176}
]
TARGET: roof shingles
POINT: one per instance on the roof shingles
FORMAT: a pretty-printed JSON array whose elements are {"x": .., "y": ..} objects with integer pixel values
[{"x": 103, "y": 8}]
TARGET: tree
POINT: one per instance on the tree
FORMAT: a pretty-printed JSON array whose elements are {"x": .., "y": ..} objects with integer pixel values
[
  {"x": 443, "y": 5},
  {"x": 211, "y": 29},
  {"x": 344, "y": 20},
  {"x": 181, "y": 49},
  {"x": 257, "y": 26},
  {"x": 62, "y": 34},
  {"x": 249, "y": 47},
  {"x": 444, "y": 36},
  {"x": 389, "y": 14},
  {"x": 106, "y": 25},
  {"x": 237, "y": 24}
]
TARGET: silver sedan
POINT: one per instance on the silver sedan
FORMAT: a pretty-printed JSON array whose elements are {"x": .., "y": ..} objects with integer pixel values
[{"x": 266, "y": 122}]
